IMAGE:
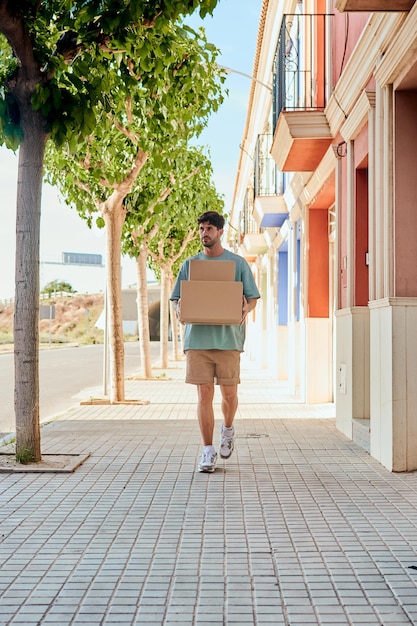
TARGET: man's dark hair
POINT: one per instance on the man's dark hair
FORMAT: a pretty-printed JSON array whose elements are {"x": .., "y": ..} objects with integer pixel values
[{"x": 213, "y": 218}]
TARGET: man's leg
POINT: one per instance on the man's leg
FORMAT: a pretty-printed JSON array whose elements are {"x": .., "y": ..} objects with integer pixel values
[
  {"x": 206, "y": 421},
  {"x": 229, "y": 408},
  {"x": 229, "y": 403},
  {"x": 205, "y": 412}
]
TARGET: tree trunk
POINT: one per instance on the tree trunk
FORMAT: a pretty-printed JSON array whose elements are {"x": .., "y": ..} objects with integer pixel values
[
  {"x": 176, "y": 328},
  {"x": 143, "y": 314},
  {"x": 114, "y": 216},
  {"x": 174, "y": 331},
  {"x": 113, "y": 212},
  {"x": 26, "y": 312},
  {"x": 164, "y": 312}
]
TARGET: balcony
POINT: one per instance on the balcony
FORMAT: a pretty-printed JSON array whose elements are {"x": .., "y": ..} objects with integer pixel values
[
  {"x": 269, "y": 209},
  {"x": 251, "y": 242},
  {"x": 254, "y": 245},
  {"x": 374, "y": 5},
  {"x": 300, "y": 92}
]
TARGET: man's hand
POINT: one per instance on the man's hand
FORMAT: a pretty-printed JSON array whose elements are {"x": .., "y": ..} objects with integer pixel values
[
  {"x": 177, "y": 304},
  {"x": 247, "y": 307}
]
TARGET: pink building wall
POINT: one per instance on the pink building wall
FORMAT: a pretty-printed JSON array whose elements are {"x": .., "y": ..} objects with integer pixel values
[
  {"x": 347, "y": 28},
  {"x": 405, "y": 194}
]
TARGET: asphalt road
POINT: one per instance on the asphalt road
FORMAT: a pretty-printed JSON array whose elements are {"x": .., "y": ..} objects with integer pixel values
[{"x": 66, "y": 376}]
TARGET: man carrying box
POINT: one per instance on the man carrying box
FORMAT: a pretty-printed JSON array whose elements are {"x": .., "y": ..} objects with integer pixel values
[{"x": 213, "y": 349}]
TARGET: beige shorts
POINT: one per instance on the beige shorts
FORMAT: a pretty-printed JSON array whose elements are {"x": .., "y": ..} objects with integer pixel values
[{"x": 206, "y": 366}]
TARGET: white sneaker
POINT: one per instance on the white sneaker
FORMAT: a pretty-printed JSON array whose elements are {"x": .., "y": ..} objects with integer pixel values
[
  {"x": 227, "y": 441},
  {"x": 208, "y": 462}
]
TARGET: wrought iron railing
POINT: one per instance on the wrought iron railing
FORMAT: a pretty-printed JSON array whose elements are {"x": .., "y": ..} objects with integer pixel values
[
  {"x": 301, "y": 73},
  {"x": 247, "y": 222},
  {"x": 267, "y": 178}
]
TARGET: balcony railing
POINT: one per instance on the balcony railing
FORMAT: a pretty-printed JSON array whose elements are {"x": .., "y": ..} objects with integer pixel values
[
  {"x": 247, "y": 222},
  {"x": 301, "y": 78},
  {"x": 267, "y": 178}
]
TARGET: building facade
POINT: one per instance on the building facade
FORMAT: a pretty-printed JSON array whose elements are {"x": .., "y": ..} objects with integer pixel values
[{"x": 324, "y": 208}]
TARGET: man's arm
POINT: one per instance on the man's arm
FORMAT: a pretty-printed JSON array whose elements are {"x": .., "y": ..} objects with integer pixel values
[{"x": 247, "y": 307}]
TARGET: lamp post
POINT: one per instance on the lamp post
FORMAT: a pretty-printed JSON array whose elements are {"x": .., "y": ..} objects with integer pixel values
[{"x": 229, "y": 70}]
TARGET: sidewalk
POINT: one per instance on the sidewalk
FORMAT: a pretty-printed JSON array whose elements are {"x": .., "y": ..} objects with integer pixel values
[{"x": 300, "y": 527}]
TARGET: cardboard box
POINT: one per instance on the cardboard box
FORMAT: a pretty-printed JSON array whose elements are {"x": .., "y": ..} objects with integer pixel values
[
  {"x": 212, "y": 270},
  {"x": 211, "y": 302}
]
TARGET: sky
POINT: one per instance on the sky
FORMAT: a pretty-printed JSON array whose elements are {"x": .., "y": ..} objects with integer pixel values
[{"x": 233, "y": 29}]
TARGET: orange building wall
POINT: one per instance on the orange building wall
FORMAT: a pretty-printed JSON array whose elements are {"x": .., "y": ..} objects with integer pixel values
[{"x": 318, "y": 263}]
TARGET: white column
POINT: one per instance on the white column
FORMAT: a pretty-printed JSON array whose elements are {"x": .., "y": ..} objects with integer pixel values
[
  {"x": 292, "y": 273},
  {"x": 371, "y": 204},
  {"x": 292, "y": 294},
  {"x": 337, "y": 264},
  {"x": 350, "y": 223},
  {"x": 388, "y": 192},
  {"x": 379, "y": 195}
]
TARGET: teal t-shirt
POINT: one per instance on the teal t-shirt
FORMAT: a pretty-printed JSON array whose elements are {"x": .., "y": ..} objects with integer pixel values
[{"x": 213, "y": 337}]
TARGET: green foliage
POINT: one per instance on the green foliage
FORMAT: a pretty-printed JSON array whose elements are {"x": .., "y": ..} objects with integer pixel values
[
  {"x": 155, "y": 114},
  {"x": 65, "y": 57},
  {"x": 10, "y": 131},
  {"x": 57, "y": 286},
  {"x": 25, "y": 456},
  {"x": 166, "y": 221},
  {"x": 113, "y": 81}
]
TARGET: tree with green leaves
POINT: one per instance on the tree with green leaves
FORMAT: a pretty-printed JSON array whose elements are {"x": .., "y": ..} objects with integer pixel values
[
  {"x": 146, "y": 220},
  {"x": 57, "y": 286},
  {"x": 147, "y": 123},
  {"x": 162, "y": 233},
  {"x": 58, "y": 62}
]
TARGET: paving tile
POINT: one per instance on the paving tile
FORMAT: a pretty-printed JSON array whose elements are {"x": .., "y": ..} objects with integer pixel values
[{"x": 299, "y": 527}]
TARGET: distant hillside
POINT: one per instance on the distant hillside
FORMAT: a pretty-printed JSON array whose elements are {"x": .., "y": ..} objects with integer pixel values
[{"x": 74, "y": 321}]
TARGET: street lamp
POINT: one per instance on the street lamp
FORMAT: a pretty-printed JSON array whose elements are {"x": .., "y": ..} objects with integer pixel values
[{"x": 229, "y": 70}]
